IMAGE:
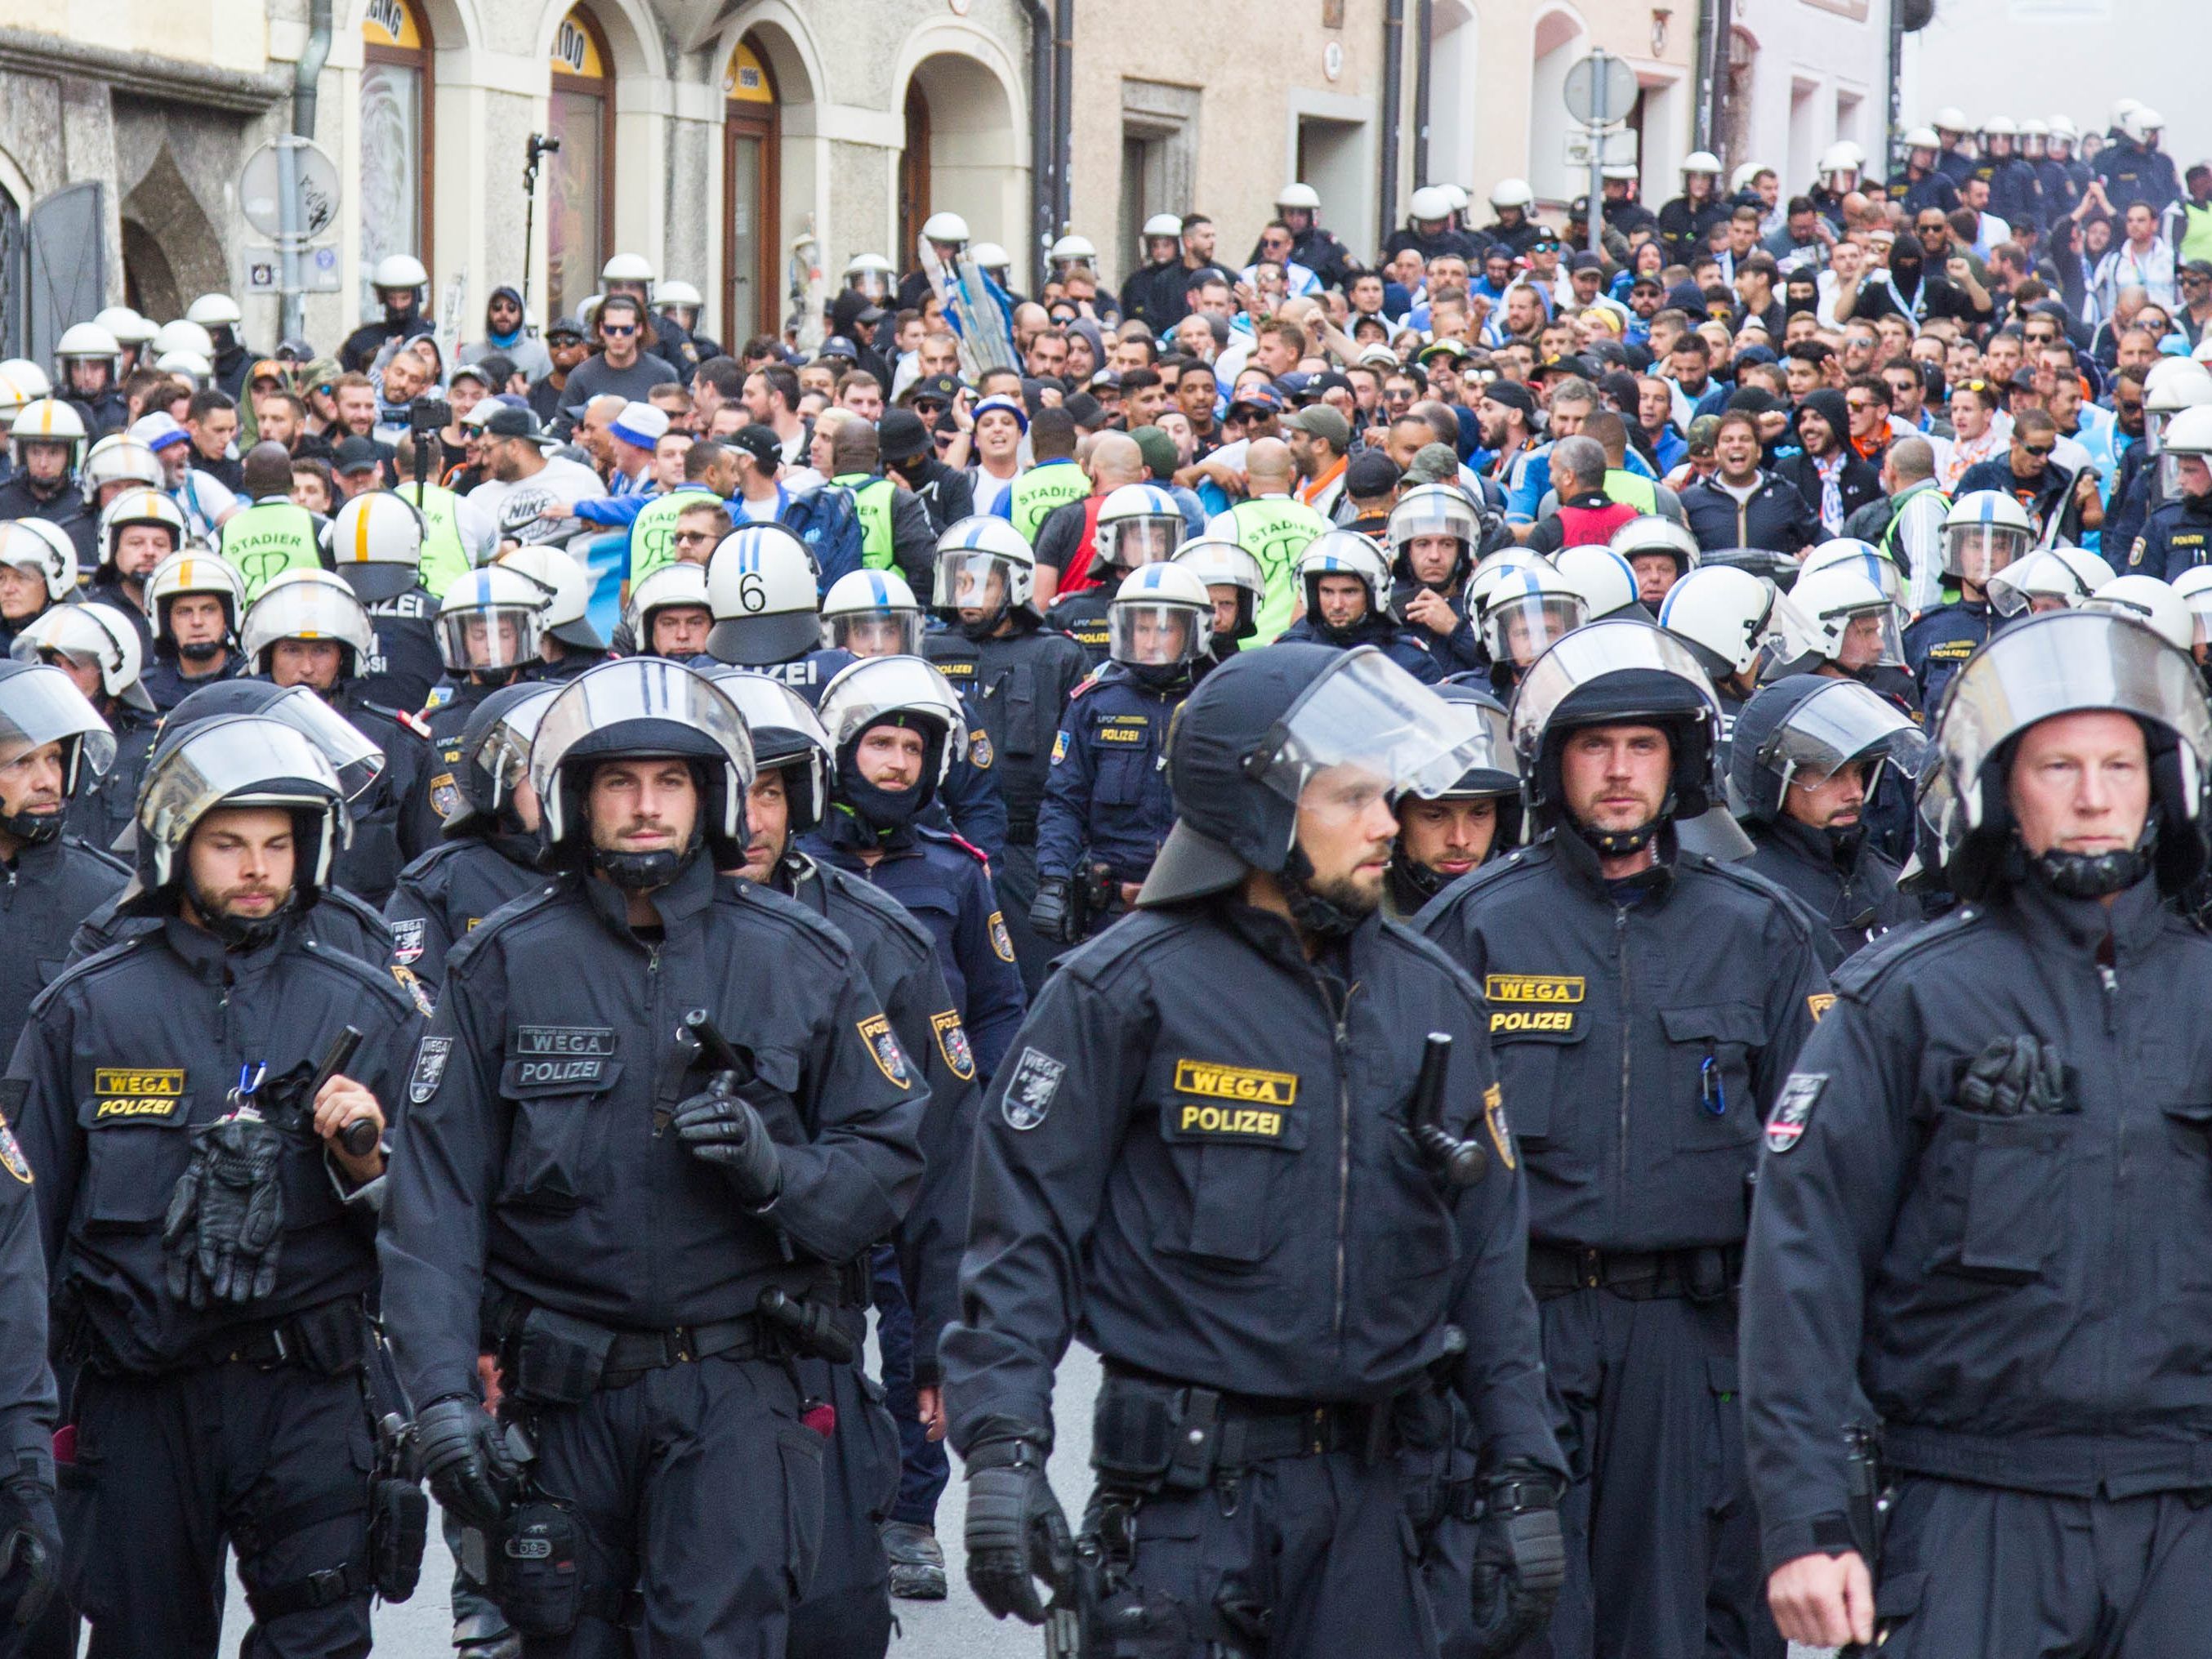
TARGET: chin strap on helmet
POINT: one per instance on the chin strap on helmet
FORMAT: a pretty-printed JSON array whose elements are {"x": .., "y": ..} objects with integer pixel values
[
  {"x": 1620, "y": 843},
  {"x": 1317, "y": 917},
  {"x": 32, "y": 828},
  {"x": 2097, "y": 875}
]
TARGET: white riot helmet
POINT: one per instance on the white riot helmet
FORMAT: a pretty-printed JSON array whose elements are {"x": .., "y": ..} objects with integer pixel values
[
  {"x": 41, "y": 548},
  {"x": 2063, "y": 131},
  {"x": 1740, "y": 180},
  {"x": 2151, "y": 602},
  {"x": 1160, "y": 617},
  {"x": 625, "y": 268},
  {"x": 1849, "y": 620},
  {"x": 992, "y": 257},
  {"x": 129, "y": 328},
  {"x": 121, "y": 460},
  {"x": 39, "y": 705},
  {"x": 490, "y": 620},
  {"x": 1952, "y": 119},
  {"x": 1838, "y": 170},
  {"x": 2049, "y": 578},
  {"x": 1607, "y": 584},
  {"x": 977, "y": 555},
  {"x": 137, "y": 506},
  {"x": 945, "y": 229},
  {"x": 1869, "y": 560},
  {"x": 1726, "y": 616},
  {"x": 787, "y": 735},
  {"x": 48, "y": 420},
  {"x": 1494, "y": 569},
  {"x": 1072, "y": 253},
  {"x": 1701, "y": 161},
  {"x": 25, "y": 376},
  {"x": 1221, "y": 561},
  {"x": 872, "y": 274},
  {"x": 897, "y": 689},
  {"x": 2194, "y": 585},
  {"x": 194, "y": 571},
  {"x": 1298, "y": 194},
  {"x": 90, "y": 633},
  {"x": 1429, "y": 205},
  {"x": 1644, "y": 536},
  {"x": 2034, "y": 137},
  {"x": 1432, "y": 510},
  {"x": 2000, "y": 126},
  {"x": 215, "y": 311},
  {"x": 1918, "y": 138},
  {"x": 311, "y": 605},
  {"x": 1530, "y": 610},
  {"x": 761, "y": 586},
  {"x": 1512, "y": 193},
  {"x": 1985, "y": 531},
  {"x": 1138, "y": 523},
  {"x": 673, "y": 295},
  {"x": 181, "y": 334},
  {"x": 2139, "y": 124},
  {"x": 673, "y": 586},
  {"x": 567, "y": 586},
  {"x": 399, "y": 272},
  {"x": 872, "y": 613},
  {"x": 87, "y": 343},
  {"x": 1343, "y": 553},
  {"x": 376, "y": 545},
  {"x": 185, "y": 366},
  {"x": 1164, "y": 224}
]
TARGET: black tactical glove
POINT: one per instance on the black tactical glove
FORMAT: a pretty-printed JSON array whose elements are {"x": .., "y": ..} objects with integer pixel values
[
  {"x": 1519, "y": 1561},
  {"x": 225, "y": 1227},
  {"x": 465, "y": 1457},
  {"x": 722, "y": 1127},
  {"x": 1015, "y": 1531},
  {"x": 2014, "y": 1077},
  {"x": 1052, "y": 913},
  {"x": 30, "y": 1548}
]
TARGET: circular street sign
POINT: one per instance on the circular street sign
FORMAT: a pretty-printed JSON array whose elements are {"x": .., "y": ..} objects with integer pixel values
[
  {"x": 318, "y": 190},
  {"x": 1613, "y": 76}
]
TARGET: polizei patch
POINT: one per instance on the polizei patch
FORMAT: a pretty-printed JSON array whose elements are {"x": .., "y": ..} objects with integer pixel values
[
  {"x": 1793, "y": 1109},
  {"x": 540, "y": 1057},
  {"x": 1030, "y": 1089}
]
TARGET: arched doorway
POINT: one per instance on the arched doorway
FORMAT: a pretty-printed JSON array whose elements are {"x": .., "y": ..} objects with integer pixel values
[
  {"x": 581, "y": 178},
  {"x": 396, "y": 98},
  {"x": 753, "y": 168},
  {"x": 963, "y": 155},
  {"x": 1560, "y": 40},
  {"x": 914, "y": 207}
]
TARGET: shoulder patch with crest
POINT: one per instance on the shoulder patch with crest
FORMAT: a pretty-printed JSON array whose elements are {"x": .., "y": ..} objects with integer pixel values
[
  {"x": 1817, "y": 1004},
  {"x": 14, "y": 1091},
  {"x": 1793, "y": 1109},
  {"x": 1030, "y": 1089},
  {"x": 413, "y": 987},
  {"x": 1002, "y": 942},
  {"x": 884, "y": 1049},
  {"x": 979, "y": 750},
  {"x": 952, "y": 1043},
  {"x": 407, "y": 940},
  {"x": 1058, "y": 747},
  {"x": 1501, "y": 1131},
  {"x": 430, "y": 1057},
  {"x": 445, "y": 795}
]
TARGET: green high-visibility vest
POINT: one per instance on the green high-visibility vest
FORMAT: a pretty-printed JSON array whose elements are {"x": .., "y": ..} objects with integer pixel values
[
  {"x": 1037, "y": 492},
  {"x": 871, "y": 500},
  {"x": 445, "y": 557},
  {"x": 2196, "y": 233},
  {"x": 1631, "y": 489},
  {"x": 269, "y": 538},
  {"x": 653, "y": 532},
  {"x": 1274, "y": 529}
]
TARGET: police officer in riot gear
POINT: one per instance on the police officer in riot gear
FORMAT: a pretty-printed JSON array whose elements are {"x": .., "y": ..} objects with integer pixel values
[
  {"x": 567, "y": 643},
  {"x": 195, "y": 599},
  {"x": 867, "y": 1545},
  {"x": 1983, "y": 1196},
  {"x": 38, "y": 571},
  {"x": 489, "y": 631},
  {"x": 1137, "y": 524},
  {"x": 96, "y": 646},
  {"x": 1435, "y": 537},
  {"x": 52, "y": 881},
  {"x": 308, "y": 628},
  {"x": 1346, "y": 581},
  {"x": 489, "y": 850},
  {"x": 1285, "y": 1289},
  {"x": 1985, "y": 530},
  {"x": 376, "y": 545},
  {"x": 1238, "y": 588},
  {"x": 761, "y": 587},
  {"x": 1472, "y": 820},
  {"x": 208, "y": 1213},
  {"x": 647, "y": 1276},
  {"x": 1106, "y": 807},
  {"x": 1014, "y": 677},
  {"x": 1644, "y": 1002},
  {"x": 1807, "y": 756}
]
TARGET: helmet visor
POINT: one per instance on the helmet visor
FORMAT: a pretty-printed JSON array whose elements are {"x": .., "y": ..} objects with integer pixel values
[
  {"x": 2199, "y": 601},
  {"x": 1493, "y": 770},
  {"x": 356, "y": 761},
  {"x": 488, "y": 637},
  {"x": 1587, "y": 655},
  {"x": 973, "y": 581},
  {"x": 1975, "y": 552},
  {"x": 770, "y": 707},
  {"x": 1222, "y": 564},
  {"x": 1154, "y": 635},
  {"x": 504, "y": 754},
  {"x": 882, "y": 686},
  {"x": 1839, "y": 724},
  {"x": 1521, "y": 629},
  {"x": 640, "y": 691},
  {"x": 42, "y": 706},
  {"x": 1869, "y": 639},
  {"x": 892, "y": 631},
  {"x": 306, "y": 611},
  {"x": 1367, "y": 729},
  {"x": 244, "y": 759},
  {"x": 2068, "y": 661},
  {"x": 1432, "y": 514},
  {"x": 1132, "y": 541}
]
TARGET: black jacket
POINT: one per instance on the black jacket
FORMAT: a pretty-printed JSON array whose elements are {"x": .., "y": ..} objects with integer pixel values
[
  {"x": 1851, "y": 896},
  {"x": 1015, "y": 689},
  {"x": 446, "y": 894},
  {"x": 46, "y": 892}
]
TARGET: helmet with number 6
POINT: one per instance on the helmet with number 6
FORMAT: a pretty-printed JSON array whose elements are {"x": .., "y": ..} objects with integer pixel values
[{"x": 761, "y": 587}]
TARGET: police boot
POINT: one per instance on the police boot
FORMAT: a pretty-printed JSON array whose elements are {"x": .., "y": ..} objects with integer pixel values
[
  {"x": 485, "y": 1636},
  {"x": 917, "y": 1561}
]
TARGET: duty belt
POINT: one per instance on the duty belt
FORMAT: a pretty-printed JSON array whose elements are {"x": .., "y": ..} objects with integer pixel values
[
  {"x": 1150, "y": 1434},
  {"x": 1701, "y": 1274},
  {"x": 635, "y": 1352}
]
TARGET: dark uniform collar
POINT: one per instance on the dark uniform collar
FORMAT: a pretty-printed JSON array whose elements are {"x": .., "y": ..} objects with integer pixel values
[
  {"x": 677, "y": 903},
  {"x": 2136, "y": 917},
  {"x": 1579, "y": 859},
  {"x": 37, "y": 862},
  {"x": 205, "y": 955},
  {"x": 1815, "y": 847}
]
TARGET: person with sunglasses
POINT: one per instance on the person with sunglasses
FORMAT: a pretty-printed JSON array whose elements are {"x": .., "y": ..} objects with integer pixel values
[
  {"x": 621, "y": 367},
  {"x": 2062, "y": 501}
]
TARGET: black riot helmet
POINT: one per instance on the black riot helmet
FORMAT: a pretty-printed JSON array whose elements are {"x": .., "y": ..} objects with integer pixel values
[
  {"x": 1495, "y": 776},
  {"x": 2071, "y": 662},
  {"x": 1805, "y": 728},
  {"x": 1264, "y": 725},
  {"x": 495, "y": 757}
]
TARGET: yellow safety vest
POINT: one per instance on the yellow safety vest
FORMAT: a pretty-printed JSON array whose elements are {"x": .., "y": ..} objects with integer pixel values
[
  {"x": 1037, "y": 492},
  {"x": 1274, "y": 529},
  {"x": 268, "y": 539}
]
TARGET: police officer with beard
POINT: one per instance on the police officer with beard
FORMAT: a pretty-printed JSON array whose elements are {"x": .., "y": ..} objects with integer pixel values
[
  {"x": 48, "y": 732},
  {"x": 1346, "y": 580},
  {"x": 644, "y": 1214},
  {"x": 868, "y": 1548},
  {"x": 209, "y": 1233},
  {"x": 1435, "y": 537},
  {"x": 1287, "y": 1291},
  {"x": 1808, "y": 755},
  {"x": 489, "y": 856},
  {"x": 490, "y": 628},
  {"x": 1014, "y": 677},
  {"x": 761, "y": 586},
  {"x": 1983, "y": 1206},
  {"x": 1644, "y": 1002},
  {"x": 1475, "y": 818}
]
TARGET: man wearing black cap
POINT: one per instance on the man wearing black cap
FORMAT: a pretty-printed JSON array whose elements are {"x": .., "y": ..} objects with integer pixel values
[
  {"x": 357, "y": 463},
  {"x": 566, "y": 347},
  {"x": 1370, "y": 490},
  {"x": 515, "y": 458},
  {"x": 854, "y": 318},
  {"x": 910, "y": 457},
  {"x": 1220, "y": 1200}
]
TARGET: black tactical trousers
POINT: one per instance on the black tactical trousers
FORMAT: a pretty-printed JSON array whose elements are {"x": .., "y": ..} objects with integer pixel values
[{"x": 846, "y": 1613}]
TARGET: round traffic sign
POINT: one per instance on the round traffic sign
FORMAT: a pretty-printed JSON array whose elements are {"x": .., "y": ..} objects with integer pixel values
[
  {"x": 316, "y": 192},
  {"x": 1600, "y": 75}
]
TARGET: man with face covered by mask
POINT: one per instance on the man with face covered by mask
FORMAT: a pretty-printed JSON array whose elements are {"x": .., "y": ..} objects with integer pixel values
[
  {"x": 1925, "y": 279},
  {"x": 1639, "y": 1056},
  {"x": 1015, "y": 676}
]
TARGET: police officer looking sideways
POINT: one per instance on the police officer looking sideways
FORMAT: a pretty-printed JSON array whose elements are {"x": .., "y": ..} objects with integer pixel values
[
  {"x": 628, "y": 1215},
  {"x": 1478, "y": 817},
  {"x": 1281, "y": 1286},
  {"x": 208, "y": 1234},
  {"x": 1983, "y": 1192},
  {"x": 1637, "y": 1052}
]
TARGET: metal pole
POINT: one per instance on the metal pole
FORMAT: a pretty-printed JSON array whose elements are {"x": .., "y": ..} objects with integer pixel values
[
  {"x": 1599, "y": 116},
  {"x": 289, "y": 235},
  {"x": 1394, "y": 75},
  {"x": 1424, "y": 51},
  {"x": 529, "y": 219}
]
